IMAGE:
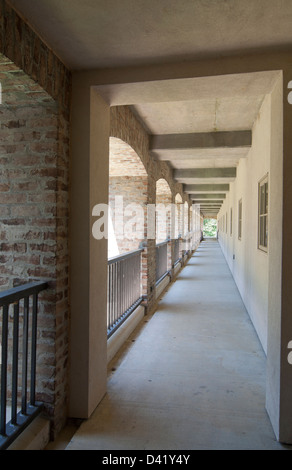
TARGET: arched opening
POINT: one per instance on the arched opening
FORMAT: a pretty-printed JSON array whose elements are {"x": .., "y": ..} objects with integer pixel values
[
  {"x": 127, "y": 229},
  {"x": 163, "y": 228},
  {"x": 128, "y": 194}
]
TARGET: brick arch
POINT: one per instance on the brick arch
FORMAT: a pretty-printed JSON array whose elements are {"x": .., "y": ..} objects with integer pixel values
[
  {"x": 164, "y": 173},
  {"x": 125, "y": 127},
  {"x": 163, "y": 191},
  {"x": 128, "y": 196},
  {"x": 124, "y": 160}
]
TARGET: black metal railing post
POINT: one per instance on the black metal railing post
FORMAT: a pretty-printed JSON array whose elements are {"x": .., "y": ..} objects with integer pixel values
[
  {"x": 29, "y": 408},
  {"x": 4, "y": 360},
  {"x": 15, "y": 363},
  {"x": 24, "y": 357},
  {"x": 33, "y": 350}
]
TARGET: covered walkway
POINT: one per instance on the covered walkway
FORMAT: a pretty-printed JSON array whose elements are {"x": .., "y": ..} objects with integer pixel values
[{"x": 191, "y": 377}]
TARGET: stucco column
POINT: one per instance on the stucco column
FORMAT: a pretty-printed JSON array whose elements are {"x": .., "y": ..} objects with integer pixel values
[
  {"x": 89, "y": 187},
  {"x": 279, "y": 371},
  {"x": 285, "y": 431}
]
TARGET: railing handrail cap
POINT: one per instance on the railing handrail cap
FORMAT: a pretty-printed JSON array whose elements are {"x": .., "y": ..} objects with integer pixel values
[
  {"x": 125, "y": 255},
  {"x": 163, "y": 243},
  {"x": 16, "y": 293}
]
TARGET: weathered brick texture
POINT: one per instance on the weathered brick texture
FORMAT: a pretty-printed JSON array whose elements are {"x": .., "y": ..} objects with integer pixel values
[
  {"x": 21, "y": 45},
  {"x": 34, "y": 187}
]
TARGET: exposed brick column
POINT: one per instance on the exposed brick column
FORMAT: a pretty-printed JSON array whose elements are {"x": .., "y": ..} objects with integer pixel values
[{"x": 35, "y": 190}]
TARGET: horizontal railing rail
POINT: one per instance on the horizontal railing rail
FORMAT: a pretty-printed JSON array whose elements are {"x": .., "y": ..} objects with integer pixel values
[
  {"x": 160, "y": 244},
  {"x": 124, "y": 256},
  {"x": 161, "y": 260},
  {"x": 124, "y": 288},
  {"x": 24, "y": 300}
]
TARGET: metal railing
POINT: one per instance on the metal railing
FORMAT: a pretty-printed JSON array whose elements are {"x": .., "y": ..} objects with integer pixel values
[
  {"x": 24, "y": 300},
  {"x": 124, "y": 288},
  {"x": 161, "y": 261}
]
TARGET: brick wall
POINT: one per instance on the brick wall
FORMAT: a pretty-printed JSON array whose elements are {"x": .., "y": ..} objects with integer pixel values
[
  {"x": 128, "y": 186},
  {"x": 133, "y": 190},
  {"x": 34, "y": 187},
  {"x": 28, "y": 122}
]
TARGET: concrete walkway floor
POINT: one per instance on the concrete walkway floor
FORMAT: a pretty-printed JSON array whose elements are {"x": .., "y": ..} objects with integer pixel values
[{"x": 192, "y": 377}]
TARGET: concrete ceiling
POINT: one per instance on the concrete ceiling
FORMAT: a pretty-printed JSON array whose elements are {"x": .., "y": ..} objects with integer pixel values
[
  {"x": 89, "y": 34},
  {"x": 201, "y": 115},
  {"x": 181, "y": 115},
  {"x": 198, "y": 124}
]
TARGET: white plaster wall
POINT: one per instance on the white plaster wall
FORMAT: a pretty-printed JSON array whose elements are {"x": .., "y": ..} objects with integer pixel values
[
  {"x": 248, "y": 264},
  {"x": 277, "y": 380}
]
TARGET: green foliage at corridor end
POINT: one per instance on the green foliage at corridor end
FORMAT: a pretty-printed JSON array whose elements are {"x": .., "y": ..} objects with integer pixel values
[{"x": 210, "y": 228}]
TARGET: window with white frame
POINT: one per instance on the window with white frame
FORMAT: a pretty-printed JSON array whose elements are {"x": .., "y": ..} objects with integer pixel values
[
  {"x": 240, "y": 219},
  {"x": 263, "y": 228}
]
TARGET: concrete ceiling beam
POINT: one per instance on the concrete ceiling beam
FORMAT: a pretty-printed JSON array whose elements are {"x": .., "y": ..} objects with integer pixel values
[
  {"x": 199, "y": 201},
  {"x": 209, "y": 196},
  {"x": 202, "y": 140},
  {"x": 217, "y": 175},
  {"x": 206, "y": 188},
  {"x": 203, "y": 173}
]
